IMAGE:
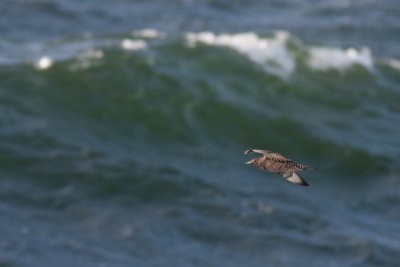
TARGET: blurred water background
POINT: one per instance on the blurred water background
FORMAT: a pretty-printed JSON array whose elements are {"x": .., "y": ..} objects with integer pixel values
[{"x": 123, "y": 126}]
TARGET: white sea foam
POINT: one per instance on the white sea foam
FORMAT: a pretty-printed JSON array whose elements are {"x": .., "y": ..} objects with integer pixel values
[
  {"x": 272, "y": 53},
  {"x": 324, "y": 58},
  {"x": 394, "y": 63},
  {"x": 277, "y": 54},
  {"x": 44, "y": 62},
  {"x": 276, "y": 58},
  {"x": 129, "y": 44}
]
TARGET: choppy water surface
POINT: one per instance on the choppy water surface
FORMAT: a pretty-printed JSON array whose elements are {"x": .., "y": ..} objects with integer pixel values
[{"x": 123, "y": 128}]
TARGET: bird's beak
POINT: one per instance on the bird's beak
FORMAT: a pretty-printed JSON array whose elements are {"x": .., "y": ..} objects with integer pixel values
[
  {"x": 248, "y": 162},
  {"x": 248, "y": 151}
]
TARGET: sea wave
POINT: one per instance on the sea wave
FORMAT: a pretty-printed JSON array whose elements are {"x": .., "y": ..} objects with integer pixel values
[
  {"x": 150, "y": 85},
  {"x": 281, "y": 54}
]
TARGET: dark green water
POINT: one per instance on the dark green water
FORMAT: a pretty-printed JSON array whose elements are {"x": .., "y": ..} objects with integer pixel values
[{"x": 126, "y": 149}]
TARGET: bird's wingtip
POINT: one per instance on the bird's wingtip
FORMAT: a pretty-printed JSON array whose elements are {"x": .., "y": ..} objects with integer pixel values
[{"x": 296, "y": 179}]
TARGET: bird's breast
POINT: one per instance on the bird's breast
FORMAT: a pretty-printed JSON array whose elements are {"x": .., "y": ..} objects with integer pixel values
[{"x": 273, "y": 166}]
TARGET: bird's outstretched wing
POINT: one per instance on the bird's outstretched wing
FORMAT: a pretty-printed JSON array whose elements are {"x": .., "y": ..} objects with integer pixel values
[
  {"x": 269, "y": 155},
  {"x": 260, "y": 151},
  {"x": 277, "y": 157}
]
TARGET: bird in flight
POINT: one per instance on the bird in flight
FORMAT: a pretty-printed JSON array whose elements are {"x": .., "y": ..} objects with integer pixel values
[{"x": 275, "y": 162}]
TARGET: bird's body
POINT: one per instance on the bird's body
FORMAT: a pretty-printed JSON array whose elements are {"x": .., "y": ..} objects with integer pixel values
[{"x": 275, "y": 162}]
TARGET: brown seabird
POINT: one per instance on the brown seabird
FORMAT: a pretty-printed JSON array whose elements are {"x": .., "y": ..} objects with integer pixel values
[{"x": 275, "y": 162}]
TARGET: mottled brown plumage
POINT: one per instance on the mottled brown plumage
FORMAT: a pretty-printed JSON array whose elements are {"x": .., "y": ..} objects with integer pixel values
[{"x": 275, "y": 162}]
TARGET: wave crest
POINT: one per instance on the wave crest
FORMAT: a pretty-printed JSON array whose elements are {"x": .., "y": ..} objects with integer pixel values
[{"x": 276, "y": 56}]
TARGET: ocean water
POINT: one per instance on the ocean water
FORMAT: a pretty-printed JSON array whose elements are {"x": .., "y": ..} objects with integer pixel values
[{"x": 123, "y": 126}]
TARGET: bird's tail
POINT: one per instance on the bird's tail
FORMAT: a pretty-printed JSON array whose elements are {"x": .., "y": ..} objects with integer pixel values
[{"x": 305, "y": 167}]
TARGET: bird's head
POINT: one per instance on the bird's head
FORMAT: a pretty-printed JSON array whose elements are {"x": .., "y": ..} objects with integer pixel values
[
  {"x": 252, "y": 162},
  {"x": 248, "y": 151}
]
